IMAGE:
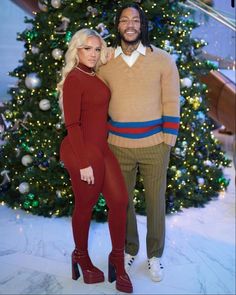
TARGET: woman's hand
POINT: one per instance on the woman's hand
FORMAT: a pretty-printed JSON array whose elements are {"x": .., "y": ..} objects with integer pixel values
[{"x": 87, "y": 175}]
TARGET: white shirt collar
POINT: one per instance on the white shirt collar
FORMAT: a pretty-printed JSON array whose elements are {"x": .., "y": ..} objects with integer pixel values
[{"x": 141, "y": 49}]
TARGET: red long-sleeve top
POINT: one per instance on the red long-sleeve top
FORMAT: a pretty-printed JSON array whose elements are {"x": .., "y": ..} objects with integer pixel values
[{"x": 85, "y": 103}]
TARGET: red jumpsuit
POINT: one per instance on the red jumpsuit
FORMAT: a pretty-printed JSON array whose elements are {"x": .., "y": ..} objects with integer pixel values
[{"x": 85, "y": 102}]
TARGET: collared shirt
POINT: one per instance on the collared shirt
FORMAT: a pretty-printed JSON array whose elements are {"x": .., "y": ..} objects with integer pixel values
[{"x": 131, "y": 59}]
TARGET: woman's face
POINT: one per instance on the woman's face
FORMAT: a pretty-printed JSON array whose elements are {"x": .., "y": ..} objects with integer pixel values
[{"x": 90, "y": 53}]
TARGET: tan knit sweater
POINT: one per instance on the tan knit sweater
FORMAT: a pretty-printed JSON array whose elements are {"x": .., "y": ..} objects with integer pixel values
[{"x": 144, "y": 105}]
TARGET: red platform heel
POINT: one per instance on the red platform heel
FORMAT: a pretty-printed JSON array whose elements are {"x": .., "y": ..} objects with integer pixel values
[
  {"x": 91, "y": 274},
  {"x": 116, "y": 271}
]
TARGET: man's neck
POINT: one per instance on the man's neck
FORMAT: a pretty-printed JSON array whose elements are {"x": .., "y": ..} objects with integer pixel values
[{"x": 129, "y": 48}]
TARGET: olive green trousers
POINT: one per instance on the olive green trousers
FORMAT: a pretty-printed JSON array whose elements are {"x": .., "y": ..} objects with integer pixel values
[{"x": 152, "y": 163}]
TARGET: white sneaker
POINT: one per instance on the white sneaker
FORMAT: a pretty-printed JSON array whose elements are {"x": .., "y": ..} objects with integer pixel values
[
  {"x": 155, "y": 269},
  {"x": 129, "y": 259}
]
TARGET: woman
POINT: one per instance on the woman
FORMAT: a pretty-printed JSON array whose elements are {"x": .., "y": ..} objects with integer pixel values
[{"x": 92, "y": 167}]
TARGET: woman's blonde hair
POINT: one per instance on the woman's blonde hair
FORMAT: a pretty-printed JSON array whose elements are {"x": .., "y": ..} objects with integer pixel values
[{"x": 71, "y": 57}]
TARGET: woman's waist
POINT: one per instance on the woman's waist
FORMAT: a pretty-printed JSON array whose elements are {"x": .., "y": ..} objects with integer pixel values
[{"x": 88, "y": 143}]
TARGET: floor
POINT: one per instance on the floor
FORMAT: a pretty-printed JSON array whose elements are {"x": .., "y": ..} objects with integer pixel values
[{"x": 199, "y": 256}]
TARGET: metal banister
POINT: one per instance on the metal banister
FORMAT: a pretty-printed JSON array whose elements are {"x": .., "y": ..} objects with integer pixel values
[{"x": 212, "y": 12}]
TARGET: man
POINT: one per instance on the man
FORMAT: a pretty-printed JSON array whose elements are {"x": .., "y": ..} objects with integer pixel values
[{"x": 144, "y": 121}]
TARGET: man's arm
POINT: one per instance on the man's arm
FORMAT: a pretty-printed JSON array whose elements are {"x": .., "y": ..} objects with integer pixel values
[{"x": 170, "y": 86}]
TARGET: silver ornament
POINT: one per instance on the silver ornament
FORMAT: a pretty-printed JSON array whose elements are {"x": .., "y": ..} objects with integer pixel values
[
  {"x": 24, "y": 188},
  {"x": 26, "y": 160},
  {"x": 44, "y": 104},
  {"x": 58, "y": 126},
  {"x": 56, "y": 3},
  {"x": 34, "y": 50},
  {"x": 57, "y": 53},
  {"x": 200, "y": 181},
  {"x": 186, "y": 82},
  {"x": 32, "y": 81}
]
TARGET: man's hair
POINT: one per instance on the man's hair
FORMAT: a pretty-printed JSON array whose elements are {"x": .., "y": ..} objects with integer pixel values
[{"x": 144, "y": 36}]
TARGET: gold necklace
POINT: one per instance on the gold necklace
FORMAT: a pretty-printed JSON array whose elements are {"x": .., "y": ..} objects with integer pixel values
[{"x": 90, "y": 74}]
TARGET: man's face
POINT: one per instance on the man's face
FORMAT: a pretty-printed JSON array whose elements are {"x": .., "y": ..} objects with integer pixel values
[{"x": 129, "y": 25}]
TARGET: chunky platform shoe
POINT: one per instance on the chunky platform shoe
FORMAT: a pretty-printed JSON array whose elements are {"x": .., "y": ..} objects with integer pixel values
[
  {"x": 91, "y": 274},
  {"x": 116, "y": 272}
]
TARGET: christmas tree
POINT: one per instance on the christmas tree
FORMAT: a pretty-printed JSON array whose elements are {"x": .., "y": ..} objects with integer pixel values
[{"x": 33, "y": 178}]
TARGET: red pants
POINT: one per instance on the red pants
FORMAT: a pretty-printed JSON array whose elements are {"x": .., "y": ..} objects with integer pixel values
[{"x": 108, "y": 181}]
